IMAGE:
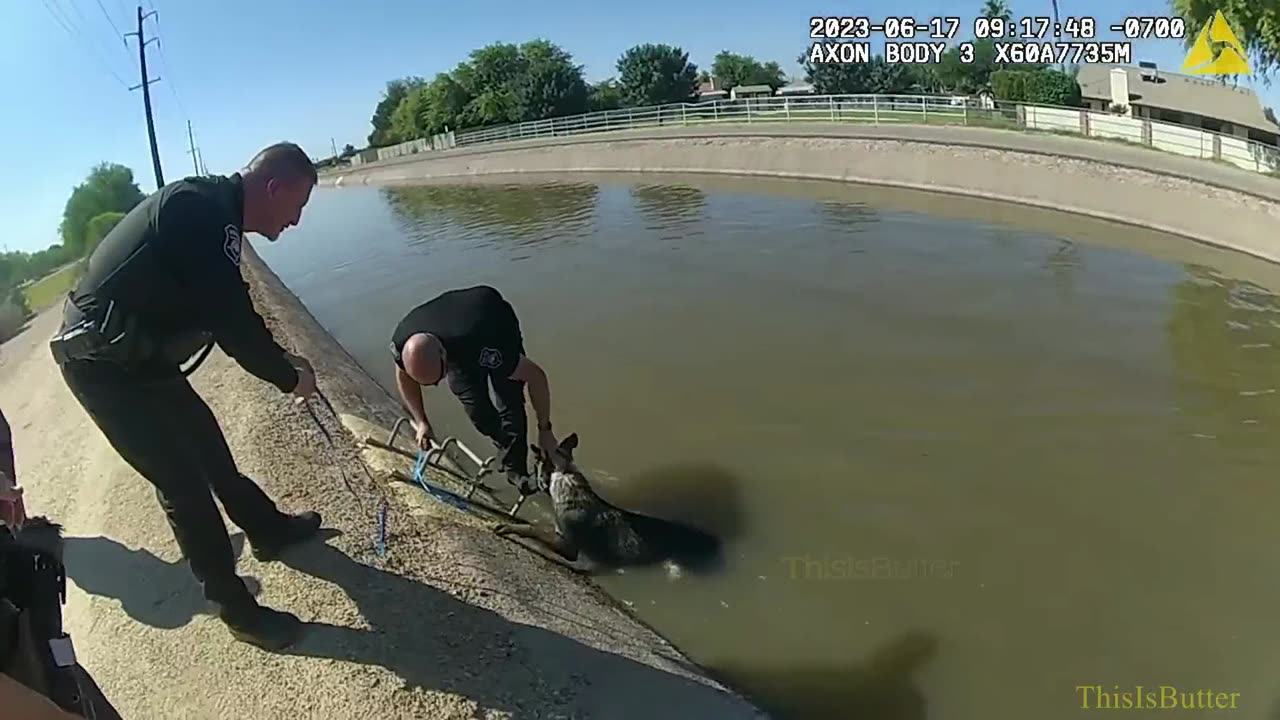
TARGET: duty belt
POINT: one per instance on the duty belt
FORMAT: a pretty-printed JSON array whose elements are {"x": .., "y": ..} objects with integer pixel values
[{"x": 107, "y": 333}]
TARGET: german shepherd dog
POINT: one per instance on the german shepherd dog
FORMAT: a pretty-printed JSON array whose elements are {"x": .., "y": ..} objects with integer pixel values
[{"x": 609, "y": 536}]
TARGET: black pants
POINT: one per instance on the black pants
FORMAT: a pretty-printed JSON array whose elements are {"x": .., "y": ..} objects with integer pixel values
[
  {"x": 166, "y": 432},
  {"x": 505, "y": 424}
]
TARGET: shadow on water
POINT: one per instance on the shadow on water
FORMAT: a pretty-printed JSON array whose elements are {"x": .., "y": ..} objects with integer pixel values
[
  {"x": 880, "y": 688},
  {"x": 670, "y": 209},
  {"x": 151, "y": 590},
  {"x": 1065, "y": 265},
  {"x": 850, "y": 217},
  {"x": 528, "y": 214},
  {"x": 703, "y": 494},
  {"x": 1223, "y": 336}
]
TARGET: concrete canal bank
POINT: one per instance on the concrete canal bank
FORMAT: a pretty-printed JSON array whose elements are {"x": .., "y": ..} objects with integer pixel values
[
  {"x": 453, "y": 622},
  {"x": 1196, "y": 199}
]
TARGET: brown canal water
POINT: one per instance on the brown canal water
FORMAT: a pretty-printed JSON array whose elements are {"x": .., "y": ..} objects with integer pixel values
[{"x": 1039, "y": 447}]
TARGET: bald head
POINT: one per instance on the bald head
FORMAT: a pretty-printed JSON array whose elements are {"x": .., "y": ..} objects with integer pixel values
[{"x": 423, "y": 358}]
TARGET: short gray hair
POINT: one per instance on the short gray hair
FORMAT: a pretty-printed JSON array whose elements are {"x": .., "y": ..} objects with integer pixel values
[{"x": 284, "y": 160}]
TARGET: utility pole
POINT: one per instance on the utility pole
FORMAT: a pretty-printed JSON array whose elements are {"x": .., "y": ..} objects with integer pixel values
[
  {"x": 191, "y": 140},
  {"x": 146, "y": 95},
  {"x": 335, "y": 147}
]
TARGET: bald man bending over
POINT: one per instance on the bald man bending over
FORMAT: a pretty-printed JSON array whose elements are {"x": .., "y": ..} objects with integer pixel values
[{"x": 472, "y": 336}]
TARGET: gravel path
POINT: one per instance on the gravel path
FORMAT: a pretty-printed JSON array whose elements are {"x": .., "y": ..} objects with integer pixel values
[{"x": 453, "y": 623}]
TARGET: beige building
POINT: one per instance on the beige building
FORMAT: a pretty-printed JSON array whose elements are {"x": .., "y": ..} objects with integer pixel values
[{"x": 1202, "y": 102}]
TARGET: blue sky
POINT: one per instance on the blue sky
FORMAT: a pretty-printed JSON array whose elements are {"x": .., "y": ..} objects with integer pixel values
[{"x": 251, "y": 72}]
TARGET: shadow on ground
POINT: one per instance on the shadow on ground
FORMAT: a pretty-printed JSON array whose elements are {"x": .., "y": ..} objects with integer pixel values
[
  {"x": 7, "y": 334},
  {"x": 151, "y": 590},
  {"x": 424, "y": 635},
  {"x": 432, "y": 640}
]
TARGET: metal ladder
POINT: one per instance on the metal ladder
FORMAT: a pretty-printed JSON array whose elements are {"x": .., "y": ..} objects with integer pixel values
[{"x": 437, "y": 451}]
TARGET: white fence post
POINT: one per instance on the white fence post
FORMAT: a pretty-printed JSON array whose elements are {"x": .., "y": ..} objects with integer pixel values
[{"x": 1261, "y": 158}]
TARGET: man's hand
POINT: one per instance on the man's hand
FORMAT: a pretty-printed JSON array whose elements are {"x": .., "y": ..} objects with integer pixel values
[
  {"x": 13, "y": 511},
  {"x": 299, "y": 361},
  {"x": 547, "y": 441},
  {"x": 306, "y": 386},
  {"x": 422, "y": 434}
]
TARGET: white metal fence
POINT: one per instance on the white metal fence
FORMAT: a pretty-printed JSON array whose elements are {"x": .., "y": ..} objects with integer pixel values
[{"x": 870, "y": 110}]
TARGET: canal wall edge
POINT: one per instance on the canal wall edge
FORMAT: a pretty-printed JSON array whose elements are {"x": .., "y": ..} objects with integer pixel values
[
  {"x": 364, "y": 408},
  {"x": 1194, "y": 199}
]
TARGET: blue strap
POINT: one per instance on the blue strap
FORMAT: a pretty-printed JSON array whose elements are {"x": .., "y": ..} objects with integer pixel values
[
  {"x": 420, "y": 470},
  {"x": 381, "y": 543}
]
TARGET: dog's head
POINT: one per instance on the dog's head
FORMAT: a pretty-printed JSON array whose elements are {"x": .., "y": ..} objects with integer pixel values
[
  {"x": 41, "y": 534},
  {"x": 558, "y": 461}
]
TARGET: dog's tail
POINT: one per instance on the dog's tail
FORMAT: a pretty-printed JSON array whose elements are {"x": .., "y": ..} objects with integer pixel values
[{"x": 693, "y": 549}]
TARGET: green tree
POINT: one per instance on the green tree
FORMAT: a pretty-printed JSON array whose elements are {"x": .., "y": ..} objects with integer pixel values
[
  {"x": 506, "y": 83},
  {"x": 45, "y": 261},
  {"x": 1048, "y": 86},
  {"x": 392, "y": 96},
  {"x": 406, "y": 120},
  {"x": 492, "y": 77},
  {"x": 445, "y": 100},
  {"x": 1042, "y": 87},
  {"x": 1256, "y": 24},
  {"x": 604, "y": 95},
  {"x": 997, "y": 8},
  {"x": 877, "y": 76},
  {"x": 98, "y": 228},
  {"x": 652, "y": 74},
  {"x": 733, "y": 70},
  {"x": 109, "y": 188},
  {"x": 348, "y": 150},
  {"x": 18, "y": 300},
  {"x": 552, "y": 85}
]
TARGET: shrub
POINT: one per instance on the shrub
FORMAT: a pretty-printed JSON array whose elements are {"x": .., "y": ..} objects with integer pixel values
[
  {"x": 1041, "y": 87},
  {"x": 12, "y": 318}
]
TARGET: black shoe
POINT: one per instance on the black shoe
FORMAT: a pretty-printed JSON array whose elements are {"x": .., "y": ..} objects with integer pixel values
[
  {"x": 264, "y": 627},
  {"x": 291, "y": 531}
]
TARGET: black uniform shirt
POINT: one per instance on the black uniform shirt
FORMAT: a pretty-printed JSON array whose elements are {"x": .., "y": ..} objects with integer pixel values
[
  {"x": 185, "y": 278},
  {"x": 476, "y": 325}
]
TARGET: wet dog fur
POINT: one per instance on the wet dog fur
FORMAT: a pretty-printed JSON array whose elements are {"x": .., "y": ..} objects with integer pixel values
[
  {"x": 41, "y": 534},
  {"x": 609, "y": 536}
]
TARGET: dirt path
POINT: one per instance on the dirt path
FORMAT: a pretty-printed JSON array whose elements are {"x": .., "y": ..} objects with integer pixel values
[{"x": 454, "y": 622}]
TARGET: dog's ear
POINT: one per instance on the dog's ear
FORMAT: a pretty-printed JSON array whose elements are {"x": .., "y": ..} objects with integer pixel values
[{"x": 569, "y": 444}]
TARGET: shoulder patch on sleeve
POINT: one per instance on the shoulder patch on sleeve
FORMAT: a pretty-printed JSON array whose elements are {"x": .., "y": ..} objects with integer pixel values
[
  {"x": 490, "y": 358},
  {"x": 231, "y": 244}
]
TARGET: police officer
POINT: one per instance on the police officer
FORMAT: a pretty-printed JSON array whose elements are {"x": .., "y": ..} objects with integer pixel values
[
  {"x": 162, "y": 285},
  {"x": 472, "y": 336}
]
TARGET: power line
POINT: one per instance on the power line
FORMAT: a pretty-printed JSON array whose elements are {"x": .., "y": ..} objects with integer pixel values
[
  {"x": 164, "y": 61},
  {"x": 71, "y": 34},
  {"x": 146, "y": 94},
  {"x": 81, "y": 27},
  {"x": 107, "y": 15},
  {"x": 79, "y": 13}
]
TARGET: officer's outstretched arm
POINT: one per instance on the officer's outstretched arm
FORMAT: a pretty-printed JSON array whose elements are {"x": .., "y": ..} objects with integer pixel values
[
  {"x": 202, "y": 245},
  {"x": 539, "y": 389}
]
